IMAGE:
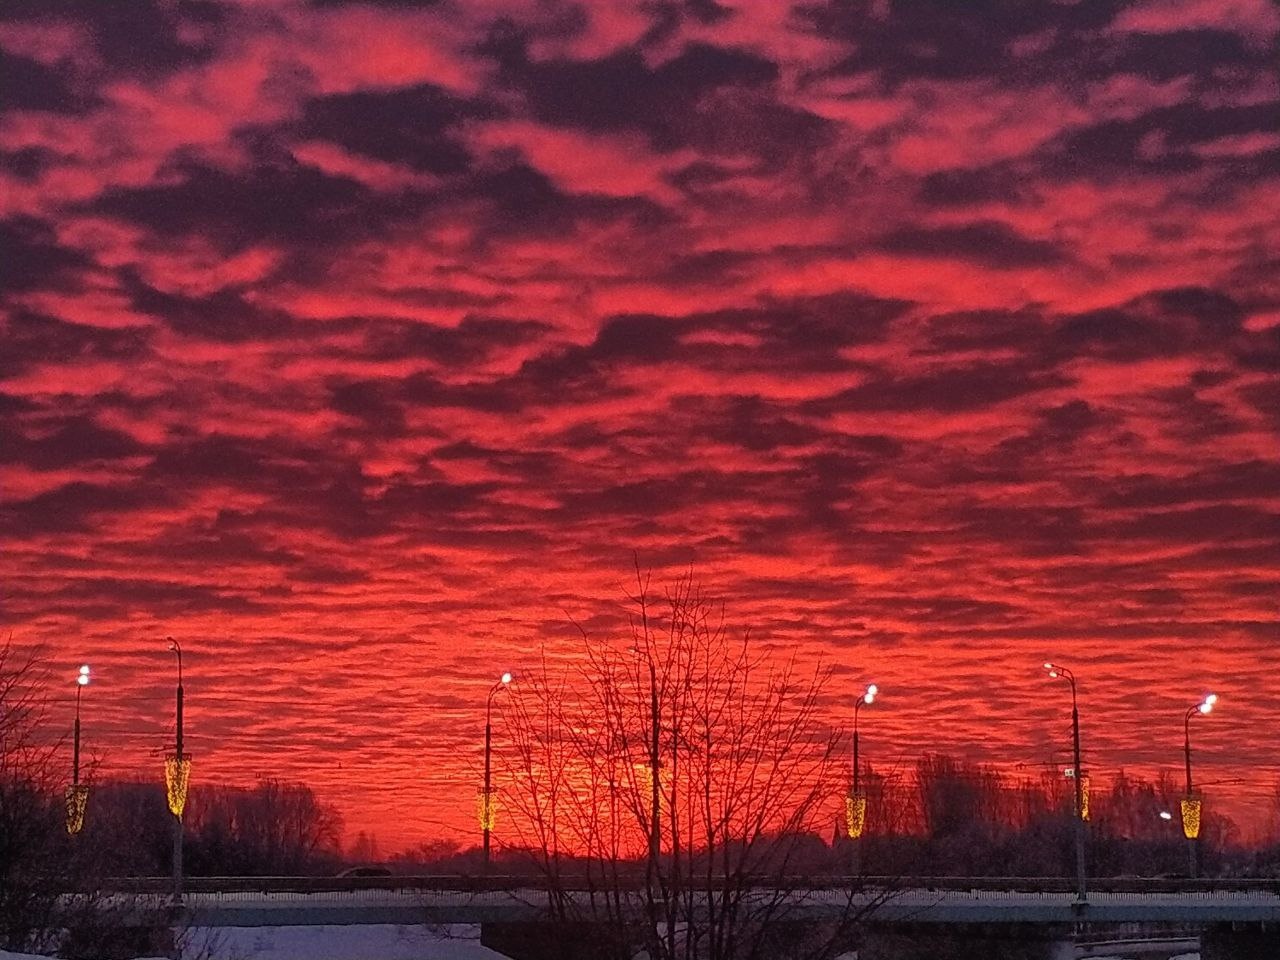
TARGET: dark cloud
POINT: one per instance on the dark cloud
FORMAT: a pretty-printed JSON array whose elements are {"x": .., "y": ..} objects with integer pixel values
[
  {"x": 1165, "y": 56},
  {"x": 29, "y": 85},
  {"x": 144, "y": 37},
  {"x": 1163, "y": 140},
  {"x": 76, "y": 441},
  {"x": 750, "y": 422},
  {"x": 33, "y": 258},
  {"x": 991, "y": 244},
  {"x": 414, "y": 127},
  {"x": 949, "y": 390},
  {"x": 522, "y": 201},
  {"x": 473, "y": 340},
  {"x": 1251, "y": 480},
  {"x": 960, "y": 187},
  {"x": 31, "y": 339},
  {"x": 369, "y": 402},
  {"x": 282, "y": 202},
  {"x": 939, "y": 40},
  {"x": 224, "y": 316},
  {"x": 1162, "y": 323},
  {"x": 71, "y": 507},
  {"x": 623, "y": 92}
]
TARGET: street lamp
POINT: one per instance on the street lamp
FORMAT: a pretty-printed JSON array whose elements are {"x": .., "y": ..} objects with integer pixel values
[
  {"x": 1192, "y": 805},
  {"x": 486, "y": 800},
  {"x": 856, "y": 808},
  {"x": 77, "y": 793},
  {"x": 855, "y": 805},
  {"x": 177, "y": 778},
  {"x": 1056, "y": 672}
]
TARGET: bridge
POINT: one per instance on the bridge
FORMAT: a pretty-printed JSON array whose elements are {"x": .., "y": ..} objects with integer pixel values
[{"x": 1033, "y": 918}]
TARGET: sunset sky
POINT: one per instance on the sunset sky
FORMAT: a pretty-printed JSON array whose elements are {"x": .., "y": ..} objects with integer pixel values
[{"x": 367, "y": 347}]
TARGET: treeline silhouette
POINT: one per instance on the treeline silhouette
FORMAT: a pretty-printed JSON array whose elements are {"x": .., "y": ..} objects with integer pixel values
[
  {"x": 273, "y": 828},
  {"x": 954, "y": 817},
  {"x": 947, "y": 816}
]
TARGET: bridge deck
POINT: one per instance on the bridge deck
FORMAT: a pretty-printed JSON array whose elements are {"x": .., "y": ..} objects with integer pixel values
[{"x": 250, "y": 909}]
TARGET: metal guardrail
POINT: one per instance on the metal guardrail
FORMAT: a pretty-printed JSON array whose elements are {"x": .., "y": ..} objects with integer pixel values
[{"x": 499, "y": 883}]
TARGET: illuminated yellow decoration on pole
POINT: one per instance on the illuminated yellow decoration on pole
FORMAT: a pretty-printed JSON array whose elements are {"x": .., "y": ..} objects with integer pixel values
[
  {"x": 1191, "y": 817},
  {"x": 855, "y": 815},
  {"x": 486, "y": 809},
  {"x": 1084, "y": 797},
  {"x": 77, "y": 801},
  {"x": 177, "y": 777}
]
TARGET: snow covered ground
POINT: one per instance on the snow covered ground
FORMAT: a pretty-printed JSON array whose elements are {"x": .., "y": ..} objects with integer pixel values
[{"x": 366, "y": 942}]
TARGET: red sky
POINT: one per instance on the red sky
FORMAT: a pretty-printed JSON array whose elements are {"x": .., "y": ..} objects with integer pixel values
[{"x": 361, "y": 346}]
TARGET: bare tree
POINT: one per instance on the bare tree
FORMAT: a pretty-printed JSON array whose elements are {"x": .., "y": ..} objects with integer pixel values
[
  {"x": 670, "y": 785},
  {"x": 34, "y": 866},
  {"x": 272, "y": 828}
]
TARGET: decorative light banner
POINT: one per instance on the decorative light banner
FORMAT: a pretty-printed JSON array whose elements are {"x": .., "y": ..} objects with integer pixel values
[
  {"x": 77, "y": 801},
  {"x": 855, "y": 815},
  {"x": 1084, "y": 797},
  {"x": 1191, "y": 807},
  {"x": 486, "y": 809},
  {"x": 177, "y": 778}
]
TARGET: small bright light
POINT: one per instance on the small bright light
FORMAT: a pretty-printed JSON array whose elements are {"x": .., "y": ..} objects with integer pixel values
[
  {"x": 869, "y": 698},
  {"x": 1053, "y": 674},
  {"x": 872, "y": 689},
  {"x": 83, "y": 677},
  {"x": 1166, "y": 815},
  {"x": 506, "y": 678},
  {"x": 1206, "y": 707},
  {"x": 1048, "y": 666},
  {"x": 1211, "y": 699}
]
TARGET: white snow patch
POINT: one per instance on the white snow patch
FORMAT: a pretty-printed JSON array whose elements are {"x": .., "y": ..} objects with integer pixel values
[{"x": 374, "y": 941}]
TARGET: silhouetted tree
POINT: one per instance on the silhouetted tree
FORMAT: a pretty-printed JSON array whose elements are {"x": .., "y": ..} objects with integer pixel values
[
  {"x": 273, "y": 828},
  {"x": 33, "y": 868},
  {"x": 669, "y": 779}
]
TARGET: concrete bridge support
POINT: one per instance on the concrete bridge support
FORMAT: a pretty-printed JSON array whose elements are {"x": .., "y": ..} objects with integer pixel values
[
  {"x": 934, "y": 941},
  {"x": 1238, "y": 941}
]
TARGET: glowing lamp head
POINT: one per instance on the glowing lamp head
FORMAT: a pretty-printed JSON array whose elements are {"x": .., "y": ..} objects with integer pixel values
[
  {"x": 1166, "y": 815},
  {"x": 870, "y": 695},
  {"x": 82, "y": 677},
  {"x": 507, "y": 678},
  {"x": 1053, "y": 671}
]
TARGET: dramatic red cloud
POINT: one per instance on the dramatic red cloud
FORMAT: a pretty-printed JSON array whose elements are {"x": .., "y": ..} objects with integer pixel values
[{"x": 365, "y": 349}]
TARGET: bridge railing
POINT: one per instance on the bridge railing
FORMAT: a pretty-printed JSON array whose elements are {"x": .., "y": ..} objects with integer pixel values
[{"x": 498, "y": 883}]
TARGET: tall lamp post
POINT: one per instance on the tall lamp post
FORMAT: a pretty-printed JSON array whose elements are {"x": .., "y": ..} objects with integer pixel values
[
  {"x": 855, "y": 809},
  {"x": 1055, "y": 672},
  {"x": 486, "y": 800},
  {"x": 177, "y": 777},
  {"x": 77, "y": 793},
  {"x": 1191, "y": 804}
]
